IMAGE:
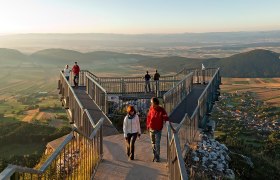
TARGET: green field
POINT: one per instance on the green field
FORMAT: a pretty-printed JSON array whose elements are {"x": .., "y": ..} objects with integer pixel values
[{"x": 20, "y": 94}]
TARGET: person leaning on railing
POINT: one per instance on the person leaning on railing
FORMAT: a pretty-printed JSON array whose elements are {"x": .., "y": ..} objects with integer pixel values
[
  {"x": 131, "y": 129},
  {"x": 155, "y": 119}
]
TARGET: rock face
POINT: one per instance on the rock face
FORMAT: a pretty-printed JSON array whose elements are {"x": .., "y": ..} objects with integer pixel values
[{"x": 209, "y": 159}]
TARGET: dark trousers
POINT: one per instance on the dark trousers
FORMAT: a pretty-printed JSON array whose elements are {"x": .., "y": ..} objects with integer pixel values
[
  {"x": 130, "y": 141},
  {"x": 76, "y": 80},
  {"x": 147, "y": 86}
]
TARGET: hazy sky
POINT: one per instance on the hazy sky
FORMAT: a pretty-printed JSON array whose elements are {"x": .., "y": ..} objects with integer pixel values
[{"x": 137, "y": 16}]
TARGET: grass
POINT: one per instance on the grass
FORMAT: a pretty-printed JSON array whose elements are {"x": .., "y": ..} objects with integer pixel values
[
  {"x": 9, "y": 119},
  {"x": 266, "y": 89},
  {"x": 269, "y": 80},
  {"x": 219, "y": 133},
  {"x": 11, "y": 150}
]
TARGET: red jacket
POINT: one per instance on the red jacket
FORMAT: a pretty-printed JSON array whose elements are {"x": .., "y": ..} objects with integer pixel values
[
  {"x": 155, "y": 118},
  {"x": 76, "y": 70}
]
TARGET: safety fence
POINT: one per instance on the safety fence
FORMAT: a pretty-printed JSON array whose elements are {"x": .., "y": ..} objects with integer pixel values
[
  {"x": 177, "y": 94},
  {"x": 188, "y": 129},
  {"x": 77, "y": 157},
  {"x": 97, "y": 93}
]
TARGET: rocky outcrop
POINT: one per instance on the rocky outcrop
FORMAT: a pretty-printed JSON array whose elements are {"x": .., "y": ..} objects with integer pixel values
[{"x": 209, "y": 159}]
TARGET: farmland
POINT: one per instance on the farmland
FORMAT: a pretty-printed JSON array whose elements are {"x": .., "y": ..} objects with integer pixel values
[
  {"x": 247, "y": 121},
  {"x": 265, "y": 89},
  {"x": 30, "y": 113}
]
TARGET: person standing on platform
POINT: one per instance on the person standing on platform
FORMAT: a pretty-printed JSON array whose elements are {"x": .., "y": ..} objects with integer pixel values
[
  {"x": 156, "y": 79},
  {"x": 147, "y": 78},
  {"x": 76, "y": 71}
]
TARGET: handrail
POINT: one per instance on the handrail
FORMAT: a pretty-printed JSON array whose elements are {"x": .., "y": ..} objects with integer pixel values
[
  {"x": 71, "y": 89},
  {"x": 176, "y": 95},
  {"x": 186, "y": 77},
  {"x": 11, "y": 169},
  {"x": 56, "y": 152},
  {"x": 182, "y": 136},
  {"x": 175, "y": 161},
  {"x": 96, "y": 83},
  {"x": 202, "y": 94}
]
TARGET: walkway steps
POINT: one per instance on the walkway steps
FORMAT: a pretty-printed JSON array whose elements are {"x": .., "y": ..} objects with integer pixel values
[
  {"x": 116, "y": 166},
  {"x": 95, "y": 112}
]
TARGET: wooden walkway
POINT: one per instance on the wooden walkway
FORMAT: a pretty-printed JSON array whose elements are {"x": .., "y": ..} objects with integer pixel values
[{"x": 116, "y": 166}]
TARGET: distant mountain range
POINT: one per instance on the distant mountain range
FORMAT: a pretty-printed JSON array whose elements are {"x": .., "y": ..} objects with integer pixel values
[{"x": 255, "y": 63}]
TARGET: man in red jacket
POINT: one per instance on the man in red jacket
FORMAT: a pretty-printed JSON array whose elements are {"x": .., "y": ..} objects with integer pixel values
[
  {"x": 155, "y": 119},
  {"x": 76, "y": 71}
]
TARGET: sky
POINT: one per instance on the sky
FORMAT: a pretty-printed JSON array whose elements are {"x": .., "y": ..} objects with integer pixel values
[{"x": 138, "y": 16}]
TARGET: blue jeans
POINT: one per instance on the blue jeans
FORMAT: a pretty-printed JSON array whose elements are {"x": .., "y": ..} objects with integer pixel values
[
  {"x": 155, "y": 136},
  {"x": 157, "y": 87},
  {"x": 147, "y": 86}
]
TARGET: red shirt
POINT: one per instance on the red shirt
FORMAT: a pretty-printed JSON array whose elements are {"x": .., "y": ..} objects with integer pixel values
[
  {"x": 155, "y": 118},
  {"x": 76, "y": 69}
]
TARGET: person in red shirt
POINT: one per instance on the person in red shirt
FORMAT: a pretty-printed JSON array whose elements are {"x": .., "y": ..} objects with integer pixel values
[
  {"x": 155, "y": 120},
  {"x": 76, "y": 71}
]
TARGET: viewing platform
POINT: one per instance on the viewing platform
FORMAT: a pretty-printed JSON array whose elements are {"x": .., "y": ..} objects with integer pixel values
[{"x": 96, "y": 149}]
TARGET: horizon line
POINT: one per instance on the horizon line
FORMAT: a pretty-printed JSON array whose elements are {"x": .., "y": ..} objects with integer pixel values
[{"x": 53, "y": 33}]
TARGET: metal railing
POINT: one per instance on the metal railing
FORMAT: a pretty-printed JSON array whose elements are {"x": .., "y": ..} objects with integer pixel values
[
  {"x": 97, "y": 93},
  {"x": 175, "y": 161},
  {"x": 177, "y": 94},
  {"x": 79, "y": 115},
  {"x": 199, "y": 76},
  {"x": 128, "y": 85},
  {"x": 77, "y": 157},
  {"x": 187, "y": 130},
  {"x": 205, "y": 103},
  {"x": 207, "y": 99},
  {"x": 82, "y": 78}
]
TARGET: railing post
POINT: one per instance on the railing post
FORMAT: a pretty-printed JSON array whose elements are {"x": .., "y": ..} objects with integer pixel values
[
  {"x": 203, "y": 76},
  {"x": 95, "y": 93},
  {"x": 106, "y": 104},
  {"x": 101, "y": 141},
  {"x": 197, "y": 77},
  {"x": 58, "y": 84},
  {"x": 122, "y": 86},
  {"x": 66, "y": 106},
  {"x": 72, "y": 118},
  {"x": 87, "y": 85}
]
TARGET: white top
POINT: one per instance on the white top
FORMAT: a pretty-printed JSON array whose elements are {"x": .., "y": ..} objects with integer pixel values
[
  {"x": 131, "y": 125},
  {"x": 66, "y": 72}
]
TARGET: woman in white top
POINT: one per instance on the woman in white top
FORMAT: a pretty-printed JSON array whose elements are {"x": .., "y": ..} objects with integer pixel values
[
  {"x": 66, "y": 72},
  {"x": 131, "y": 129}
]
